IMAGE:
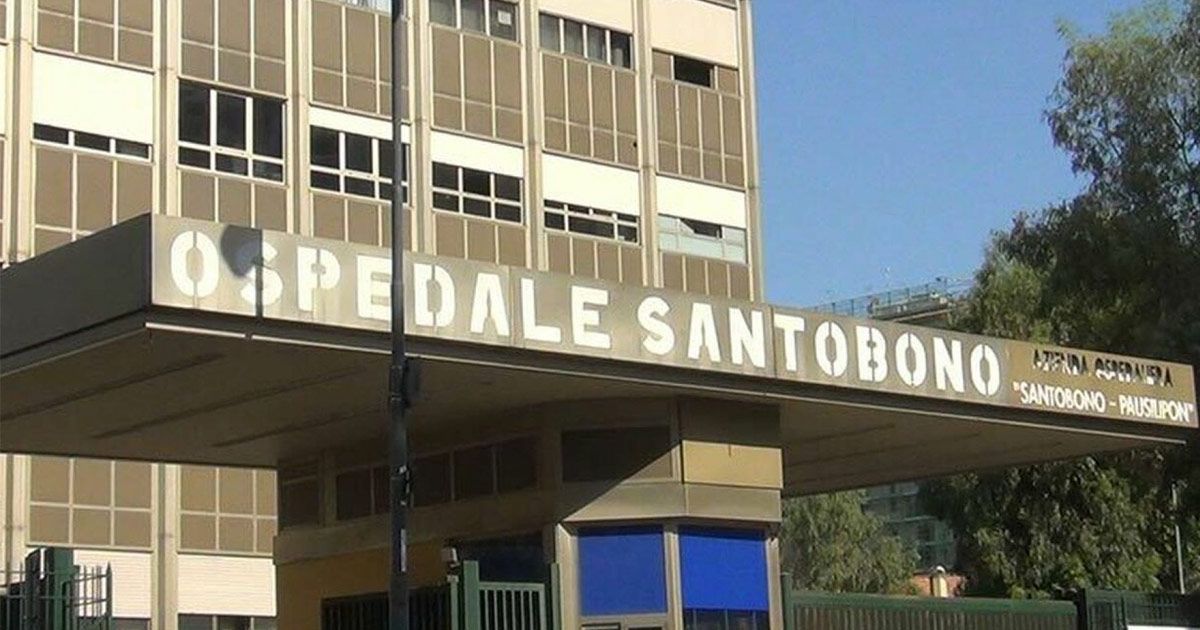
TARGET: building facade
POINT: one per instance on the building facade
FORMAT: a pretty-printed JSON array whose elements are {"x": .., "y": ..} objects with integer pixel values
[{"x": 195, "y": 223}]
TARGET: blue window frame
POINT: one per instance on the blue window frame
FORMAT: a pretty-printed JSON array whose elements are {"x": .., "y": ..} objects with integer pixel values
[{"x": 622, "y": 571}]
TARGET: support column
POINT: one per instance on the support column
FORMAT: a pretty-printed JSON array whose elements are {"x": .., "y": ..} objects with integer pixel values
[
  {"x": 166, "y": 141},
  {"x": 164, "y": 559},
  {"x": 19, "y": 222}
]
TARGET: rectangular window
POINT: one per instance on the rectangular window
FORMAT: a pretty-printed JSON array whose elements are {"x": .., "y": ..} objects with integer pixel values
[
  {"x": 723, "y": 575},
  {"x": 592, "y": 42},
  {"x": 497, "y": 18},
  {"x": 622, "y": 571},
  {"x": 693, "y": 71},
  {"x": 90, "y": 141},
  {"x": 701, "y": 238},
  {"x": 616, "y": 454},
  {"x": 354, "y": 164},
  {"x": 475, "y": 192},
  {"x": 228, "y": 131},
  {"x": 591, "y": 221},
  {"x": 299, "y": 495},
  {"x": 475, "y": 471}
]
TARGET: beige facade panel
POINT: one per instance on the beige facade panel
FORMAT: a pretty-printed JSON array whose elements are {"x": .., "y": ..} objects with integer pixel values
[
  {"x": 590, "y": 184},
  {"x": 132, "y": 583},
  {"x": 618, "y": 14},
  {"x": 226, "y": 585},
  {"x": 696, "y": 28},
  {"x": 113, "y": 30},
  {"x": 120, "y": 101},
  {"x": 479, "y": 154},
  {"x": 703, "y": 202},
  {"x": 732, "y": 464},
  {"x": 477, "y": 84}
]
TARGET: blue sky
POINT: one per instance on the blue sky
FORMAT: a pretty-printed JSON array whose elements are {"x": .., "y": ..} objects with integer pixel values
[{"x": 896, "y": 135}]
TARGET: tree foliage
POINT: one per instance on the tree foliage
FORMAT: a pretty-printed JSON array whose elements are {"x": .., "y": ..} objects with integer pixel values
[
  {"x": 1118, "y": 269},
  {"x": 829, "y": 543}
]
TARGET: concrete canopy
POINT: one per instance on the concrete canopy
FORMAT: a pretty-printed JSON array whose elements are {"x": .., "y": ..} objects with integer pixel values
[{"x": 96, "y": 361}]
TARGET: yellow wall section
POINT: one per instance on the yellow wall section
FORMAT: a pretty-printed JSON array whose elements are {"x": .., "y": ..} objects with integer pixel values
[
  {"x": 730, "y": 444},
  {"x": 732, "y": 464},
  {"x": 301, "y": 585}
]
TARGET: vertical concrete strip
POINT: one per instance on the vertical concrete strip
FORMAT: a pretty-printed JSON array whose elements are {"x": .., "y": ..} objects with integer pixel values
[
  {"x": 750, "y": 134},
  {"x": 648, "y": 137},
  {"x": 20, "y": 125},
  {"x": 16, "y": 529},
  {"x": 674, "y": 576},
  {"x": 164, "y": 602},
  {"x": 534, "y": 103},
  {"x": 166, "y": 143},
  {"x": 299, "y": 58}
]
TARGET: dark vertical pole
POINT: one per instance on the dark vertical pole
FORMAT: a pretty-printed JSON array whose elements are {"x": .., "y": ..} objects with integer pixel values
[{"x": 398, "y": 374}]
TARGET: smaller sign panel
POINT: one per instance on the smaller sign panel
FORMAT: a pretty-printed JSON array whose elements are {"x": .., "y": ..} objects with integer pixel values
[{"x": 225, "y": 269}]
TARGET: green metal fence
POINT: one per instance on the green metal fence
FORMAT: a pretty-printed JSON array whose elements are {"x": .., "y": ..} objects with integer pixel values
[
  {"x": 1117, "y": 610},
  {"x": 830, "y": 611},
  {"x": 51, "y": 593}
]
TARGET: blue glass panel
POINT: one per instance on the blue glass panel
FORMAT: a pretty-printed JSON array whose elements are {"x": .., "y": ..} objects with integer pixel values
[
  {"x": 723, "y": 569},
  {"x": 621, "y": 571}
]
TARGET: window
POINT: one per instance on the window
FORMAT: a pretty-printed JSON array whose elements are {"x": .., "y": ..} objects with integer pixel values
[
  {"x": 475, "y": 471},
  {"x": 299, "y": 495},
  {"x": 225, "y": 622},
  {"x": 723, "y": 575},
  {"x": 621, "y": 571},
  {"x": 701, "y": 238},
  {"x": 230, "y": 132},
  {"x": 474, "y": 192},
  {"x": 497, "y": 18},
  {"x": 354, "y": 164},
  {"x": 591, "y": 221},
  {"x": 694, "y": 71},
  {"x": 596, "y": 43},
  {"x": 362, "y": 491},
  {"x": 91, "y": 141},
  {"x": 616, "y": 454}
]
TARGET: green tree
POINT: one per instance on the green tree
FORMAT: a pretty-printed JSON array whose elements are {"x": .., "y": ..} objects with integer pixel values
[
  {"x": 1117, "y": 268},
  {"x": 829, "y": 543}
]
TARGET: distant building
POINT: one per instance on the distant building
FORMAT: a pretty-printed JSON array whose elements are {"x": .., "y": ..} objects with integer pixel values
[{"x": 898, "y": 504}]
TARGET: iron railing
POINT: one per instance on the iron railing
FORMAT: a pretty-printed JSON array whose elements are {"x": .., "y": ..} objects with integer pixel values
[
  {"x": 51, "y": 593},
  {"x": 902, "y": 304}
]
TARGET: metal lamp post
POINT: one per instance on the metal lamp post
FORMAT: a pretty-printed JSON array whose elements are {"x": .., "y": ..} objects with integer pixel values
[{"x": 398, "y": 380}]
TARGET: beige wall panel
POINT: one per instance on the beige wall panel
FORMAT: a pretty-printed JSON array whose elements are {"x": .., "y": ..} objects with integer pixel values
[
  {"x": 739, "y": 282},
  {"x": 512, "y": 245},
  {"x": 236, "y": 490},
  {"x": 577, "y": 92},
  {"x": 270, "y": 207},
  {"x": 45, "y": 240},
  {"x": 558, "y": 253},
  {"x": 95, "y": 40},
  {"x": 446, "y": 62},
  {"x": 689, "y": 162},
  {"x": 626, "y": 99},
  {"x": 602, "y": 98},
  {"x": 583, "y": 257},
  {"x": 712, "y": 166},
  {"x": 92, "y": 482},
  {"x": 233, "y": 17},
  {"x": 327, "y": 36},
  {"x": 554, "y": 86},
  {"x": 55, "y": 31},
  {"x": 269, "y": 24},
  {"x": 710, "y": 121},
  {"x": 604, "y": 145},
  {"x": 478, "y": 118},
  {"x": 264, "y": 536},
  {"x": 507, "y": 74},
  {"x": 719, "y": 502},
  {"x": 477, "y": 69},
  {"x": 328, "y": 219},
  {"x": 52, "y": 189},
  {"x": 481, "y": 241},
  {"x": 327, "y": 87},
  {"x": 360, "y": 44},
  {"x": 509, "y": 125},
  {"x": 227, "y": 585},
  {"x": 732, "y": 464},
  {"x": 361, "y": 95},
  {"x": 233, "y": 68},
  {"x": 668, "y": 157},
  {"x": 196, "y": 194},
  {"x": 718, "y": 278},
  {"x": 556, "y": 135},
  {"x": 666, "y": 108},
  {"x": 197, "y": 61},
  {"x": 695, "y": 274},
  {"x": 50, "y": 479},
  {"x": 197, "y": 488},
  {"x": 236, "y": 534},
  {"x": 672, "y": 271},
  {"x": 449, "y": 231},
  {"x": 689, "y": 116},
  {"x": 91, "y": 527},
  {"x": 579, "y": 139},
  {"x": 608, "y": 262},
  {"x": 362, "y": 223},
  {"x": 95, "y": 185},
  {"x": 132, "y": 484},
  {"x": 264, "y": 493},
  {"x": 735, "y": 172},
  {"x": 728, "y": 80},
  {"x": 198, "y": 531},
  {"x": 233, "y": 201},
  {"x": 631, "y": 265},
  {"x": 197, "y": 20},
  {"x": 51, "y": 525},
  {"x": 135, "y": 48},
  {"x": 695, "y": 28},
  {"x": 131, "y": 529},
  {"x": 731, "y": 123},
  {"x": 270, "y": 76},
  {"x": 447, "y": 112},
  {"x": 137, "y": 14},
  {"x": 662, "y": 64}
]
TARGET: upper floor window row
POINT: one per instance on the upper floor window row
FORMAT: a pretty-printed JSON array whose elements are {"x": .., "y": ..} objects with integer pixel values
[
  {"x": 701, "y": 238},
  {"x": 477, "y": 193},
  {"x": 230, "y": 132},
  {"x": 91, "y": 141},
  {"x": 596, "y": 43},
  {"x": 579, "y": 219},
  {"x": 354, "y": 164},
  {"x": 492, "y": 17}
]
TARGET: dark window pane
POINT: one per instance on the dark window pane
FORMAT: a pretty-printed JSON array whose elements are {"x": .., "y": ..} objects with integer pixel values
[
  {"x": 445, "y": 176},
  {"x": 702, "y": 228},
  {"x": 359, "y": 151},
  {"x": 431, "y": 480},
  {"x": 477, "y": 207},
  {"x": 478, "y": 182},
  {"x": 622, "y": 49},
  {"x": 192, "y": 157},
  {"x": 693, "y": 71},
  {"x": 353, "y": 494},
  {"x": 93, "y": 141},
  {"x": 472, "y": 472},
  {"x": 324, "y": 147},
  {"x": 381, "y": 490},
  {"x": 298, "y": 503},
  {"x": 442, "y": 11},
  {"x": 233, "y": 623},
  {"x": 516, "y": 465},
  {"x": 324, "y": 181},
  {"x": 385, "y": 191},
  {"x": 557, "y": 205},
  {"x": 555, "y": 220},
  {"x": 231, "y": 164},
  {"x": 136, "y": 149},
  {"x": 193, "y": 113},
  {"x": 472, "y": 16},
  {"x": 597, "y": 47},
  {"x": 589, "y": 226},
  {"x": 627, "y": 233},
  {"x": 615, "y": 454},
  {"x": 386, "y": 159},
  {"x": 503, "y": 19},
  {"x": 444, "y": 201},
  {"x": 549, "y": 27},
  {"x": 268, "y": 170},
  {"x": 195, "y": 622},
  {"x": 268, "y": 127},
  {"x": 505, "y": 212},
  {"x": 508, "y": 188},
  {"x": 51, "y": 134},
  {"x": 572, "y": 37},
  {"x": 356, "y": 186},
  {"x": 231, "y": 121}
]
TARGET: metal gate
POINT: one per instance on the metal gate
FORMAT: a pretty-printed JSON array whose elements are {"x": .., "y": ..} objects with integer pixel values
[{"x": 51, "y": 593}]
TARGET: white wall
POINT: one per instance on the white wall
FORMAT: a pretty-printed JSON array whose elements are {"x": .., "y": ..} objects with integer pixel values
[
  {"x": 616, "y": 14},
  {"x": 693, "y": 200},
  {"x": 3, "y": 89},
  {"x": 131, "y": 579},
  {"x": 479, "y": 154},
  {"x": 696, "y": 28},
  {"x": 590, "y": 184},
  {"x": 354, "y": 123},
  {"x": 93, "y": 97},
  {"x": 227, "y": 585}
]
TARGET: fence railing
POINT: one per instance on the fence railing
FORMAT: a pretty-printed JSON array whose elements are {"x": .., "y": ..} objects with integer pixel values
[{"x": 51, "y": 593}]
